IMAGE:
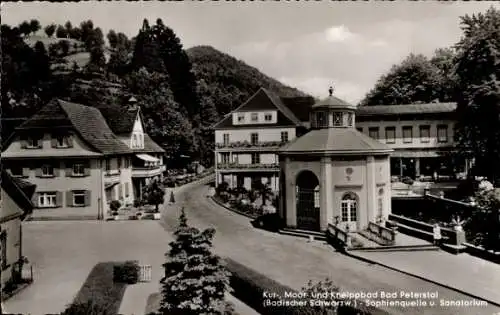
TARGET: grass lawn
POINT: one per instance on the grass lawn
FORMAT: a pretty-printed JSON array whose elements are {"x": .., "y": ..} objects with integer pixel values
[{"x": 99, "y": 288}]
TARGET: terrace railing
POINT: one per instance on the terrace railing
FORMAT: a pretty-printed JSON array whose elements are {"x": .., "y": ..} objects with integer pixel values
[
  {"x": 248, "y": 166},
  {"x": 248, "y": 144}
]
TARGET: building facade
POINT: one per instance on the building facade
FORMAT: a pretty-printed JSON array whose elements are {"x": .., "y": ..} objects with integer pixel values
[
  {"x": 78, "y": 164},
  {"x": 334, "y": 174},
  {"x": 248, "y": 139},
  {"x": 422, "y": 136},
  {"x": 16, "y": 204}
]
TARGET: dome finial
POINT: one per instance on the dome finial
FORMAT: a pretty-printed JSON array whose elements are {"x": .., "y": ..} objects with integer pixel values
[{"x": 330, "y": 90}]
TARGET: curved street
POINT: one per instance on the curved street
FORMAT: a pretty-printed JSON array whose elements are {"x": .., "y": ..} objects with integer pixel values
[{"x": 293, "y": 261}]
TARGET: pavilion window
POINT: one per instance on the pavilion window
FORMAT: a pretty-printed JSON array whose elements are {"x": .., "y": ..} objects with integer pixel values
[
  {"x": 337, "y": 119},
  {"x": 321, "y": 119}
]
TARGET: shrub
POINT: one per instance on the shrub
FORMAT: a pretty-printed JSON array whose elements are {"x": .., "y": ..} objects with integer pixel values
[
  {"x": 270, "y": 222},
  {"x": 407, "y": 180},
  {"x": 137, "y": 203},
  {"x": 114, "y": 206},
  {"x": 127, "y": 272}
]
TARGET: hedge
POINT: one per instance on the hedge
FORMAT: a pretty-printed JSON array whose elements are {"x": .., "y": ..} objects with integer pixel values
[{"x": 250, "y": 286}]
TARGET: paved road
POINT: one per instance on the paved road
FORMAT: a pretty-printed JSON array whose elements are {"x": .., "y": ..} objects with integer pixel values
[{"x": 293, "y": 261}]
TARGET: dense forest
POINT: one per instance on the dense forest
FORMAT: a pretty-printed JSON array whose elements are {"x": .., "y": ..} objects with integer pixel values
[{"x": 181, "y": 92}]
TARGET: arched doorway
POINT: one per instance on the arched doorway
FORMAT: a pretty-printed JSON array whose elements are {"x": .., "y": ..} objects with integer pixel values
[
  {"x": 349, "y": 211},
  {"x": 308, "y": 202}
]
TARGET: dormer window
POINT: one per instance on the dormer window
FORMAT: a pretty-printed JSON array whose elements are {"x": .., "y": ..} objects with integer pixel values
[
  {"x": 268, "y": 117},
  {"x": 255, "y": 117},
  {"x": 134, "y": 141},
  {"x": 337, "y": 119},
  {"x": 241, "y": 118},
  {"x": 33, "y": 143}
]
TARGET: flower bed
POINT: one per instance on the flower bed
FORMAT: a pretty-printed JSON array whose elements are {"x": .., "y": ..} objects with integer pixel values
[{"x": 174, "y": 180}]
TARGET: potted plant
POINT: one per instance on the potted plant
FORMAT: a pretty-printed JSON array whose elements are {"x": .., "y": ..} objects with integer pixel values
[{"x": 114, "y": 206}]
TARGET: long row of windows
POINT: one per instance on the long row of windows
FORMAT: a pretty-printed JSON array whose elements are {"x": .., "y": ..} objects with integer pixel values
[
  {"x": 254, "y": 117},
  {"x": 407, "y": 131},
  {"x": 57, "y": 141},
  {"x": 225, "y": 158},
  {"x": 73, "y": 170},
  {"x": 54, "y": 199},
  {"x": 254, "y": 137}
]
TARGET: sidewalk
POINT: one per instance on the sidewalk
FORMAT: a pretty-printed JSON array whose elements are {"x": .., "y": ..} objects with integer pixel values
[{"x": 463, "y": 273}]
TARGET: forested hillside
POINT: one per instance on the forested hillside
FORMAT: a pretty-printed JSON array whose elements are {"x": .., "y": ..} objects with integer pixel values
[{"x": 181, "y": 92}]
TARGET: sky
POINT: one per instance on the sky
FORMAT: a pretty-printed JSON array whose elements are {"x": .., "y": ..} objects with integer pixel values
[{"x": 308, "y": 45}]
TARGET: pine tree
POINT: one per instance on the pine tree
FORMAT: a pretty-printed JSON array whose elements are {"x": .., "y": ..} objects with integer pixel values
[{"x": 195, "y": 281}]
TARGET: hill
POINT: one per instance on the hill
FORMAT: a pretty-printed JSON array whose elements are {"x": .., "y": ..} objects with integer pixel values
[{"x": 230, "y": 81}]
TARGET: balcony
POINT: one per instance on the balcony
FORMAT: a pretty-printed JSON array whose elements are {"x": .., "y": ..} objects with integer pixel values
[
  {"x": 147, "y": 171},
  {"x": 249, "y": 167},
  {"x": 111, "y": 176},
  {"x": 248, "y": 146}
]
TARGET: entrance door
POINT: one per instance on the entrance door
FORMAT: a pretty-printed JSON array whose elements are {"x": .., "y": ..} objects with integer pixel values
[
  {"x": 308, "y": 209},
  {"x": 349, "y": 212}
]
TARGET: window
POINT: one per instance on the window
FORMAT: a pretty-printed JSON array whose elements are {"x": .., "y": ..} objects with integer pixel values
[
  {"x": 316, "y": 197},
  {"x": 241, "y": 118},
  {"x": 47, "y": 200},
  {"x": 255, "y": 117},
  {"x": 134, "y": 141},
  {"x": 78, "y": 198},
  {"x": 407, "y": 134},
  {"x": 224, "y": 157},
  {"x": 62, "y": 141},
  {"x": 78, "y": 170},
  {"x": 3, "y": 243},
  {"x": 33, "y": 143},
  {"x": 321, "y": 120},
  {"x": 127, "y": 162},
  {"x": 268, "y": 117},
  {"x": 442, "y": 131},
  {"x": 373, "y": 132},
  {"x": 337, "y": 119},
  {"x": 349, "y": 208},
  {"x": 350, "y": 119},
  {"x": 47, "y": 170},
  {"x": 16, "y": 171},
  {"x": 108, "y": 165},
  {"x": 425, "y": 133},
  {"x": 254, "y": 138},
  {"x": 225, "y": 138},
  {"x": 390, "y": 134},
  {"x": 284, "y": 136},
  {"x": 255, "y": 158}
]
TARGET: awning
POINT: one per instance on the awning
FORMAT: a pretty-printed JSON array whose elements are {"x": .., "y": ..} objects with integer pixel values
[
  {"x": 147, "y": 158},
  {"x": 110, "y": 185}
]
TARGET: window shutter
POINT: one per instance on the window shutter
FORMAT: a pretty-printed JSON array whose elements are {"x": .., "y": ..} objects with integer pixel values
[
  {"x": 87, "y": 197},
  {"x": 34, "y": 200},
  {"x": 69, "y": 198},
  {"x": 38, "y": 171},
  {"x": 69, "y": 141},
  {"x": 59, "y": 199},
  {"x": 69, "y": 169},
  {"x": 87, "y": 168},
  {"x": 53, "y": 141}
]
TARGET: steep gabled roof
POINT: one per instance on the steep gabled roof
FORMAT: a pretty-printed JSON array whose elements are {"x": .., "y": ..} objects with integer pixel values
[
  {"x": 20, "y": 191},
  {"x": 150, "y": 146},
  {"x": 300, "y": 106},
  {"x": 390, "y": 110},
  {"x": 87, "y": 121},
  {"x": 262, "y": 100},
  {"x": 120, "y": 119}
]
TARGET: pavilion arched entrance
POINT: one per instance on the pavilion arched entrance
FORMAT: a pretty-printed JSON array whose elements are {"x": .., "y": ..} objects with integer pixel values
[{"x": 308, "y": 201}]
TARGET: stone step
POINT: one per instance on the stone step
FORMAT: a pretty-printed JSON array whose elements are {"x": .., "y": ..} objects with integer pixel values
[
  {"x": 315, "y": 233},
  {"x": 398, "y": 248},
  {"x": 303, "y": 234}
]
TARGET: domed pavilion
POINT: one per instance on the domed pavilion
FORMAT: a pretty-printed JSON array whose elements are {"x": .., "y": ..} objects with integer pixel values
[{"x": 334, "y": 173}]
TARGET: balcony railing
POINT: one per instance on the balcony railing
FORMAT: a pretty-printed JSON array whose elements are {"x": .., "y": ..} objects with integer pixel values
[
  {"x": 147, "y": 171},
  {"x": 247, "y": 166},
  {"x": 248, "y": 144}
]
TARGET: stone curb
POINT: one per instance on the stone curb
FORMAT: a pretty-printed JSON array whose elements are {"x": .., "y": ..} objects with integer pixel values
[
  {"x": 370, "y": 261},
  {"x": 233, "y": 210}
]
